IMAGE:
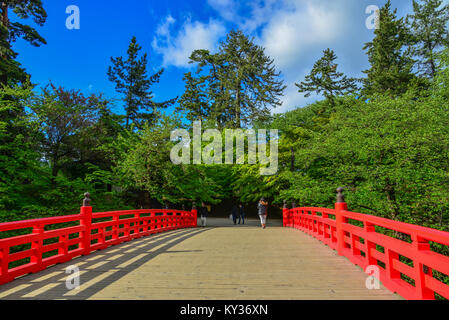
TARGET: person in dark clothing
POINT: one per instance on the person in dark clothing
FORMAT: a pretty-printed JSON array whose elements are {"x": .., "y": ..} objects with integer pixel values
[
  {"x": 262, "y": 208},
  {"x": 234, "y": 213},
  {"x": 203, "y": 214},
  {"x": 241, "y": 214}
]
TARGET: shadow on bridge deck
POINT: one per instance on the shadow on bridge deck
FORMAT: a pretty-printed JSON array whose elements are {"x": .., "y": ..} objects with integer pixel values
[
  {"x": 221, "y": 261},
  {"x": 97, "y": 270}
]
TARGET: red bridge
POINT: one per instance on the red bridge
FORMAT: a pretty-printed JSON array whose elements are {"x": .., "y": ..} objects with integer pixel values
[{"x": 402, "y": 256}]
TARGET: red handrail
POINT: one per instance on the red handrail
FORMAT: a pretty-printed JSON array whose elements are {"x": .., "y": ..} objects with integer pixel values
[
  {"x": 354, "y": 236},
  {"x": 89, "y": 235}
]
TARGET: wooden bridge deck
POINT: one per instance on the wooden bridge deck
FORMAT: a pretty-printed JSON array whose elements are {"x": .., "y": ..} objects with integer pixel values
[{"x": 219, "y": 262}]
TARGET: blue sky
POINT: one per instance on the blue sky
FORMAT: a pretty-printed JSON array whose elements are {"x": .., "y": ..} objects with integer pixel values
[{"x": 294, "y": 33}]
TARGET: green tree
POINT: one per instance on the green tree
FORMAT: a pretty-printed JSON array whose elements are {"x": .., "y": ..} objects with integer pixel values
[
  {"x": 206, "y": 96},
  {"x": 240, "y": 81},
  {"x": 251, "y": 77},
  {"x": 144, "y": 164},
  {"x": 430, "y": 34},
  {"x": 22, "y": 174},
  {"x": 194, "y": 101},
  {"x": 441, "y": 81},
  {"x": 63, "y": 115},
  {"x": 391, "y": 64},
  {"x": 10, "y": 31},
  {"x": 132, "y": 81},
  {"x": 387, "y": 153},
  {"x": 325, "y": 79}
]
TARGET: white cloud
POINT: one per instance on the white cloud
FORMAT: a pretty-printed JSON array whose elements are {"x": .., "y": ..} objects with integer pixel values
[
  {"x": 293, "y": 32},
  {"x": 289, "y": 33},
  {"x": 260, "y": 13},
  {"x": 226, "y": 8},
  {"x": 194, "y": 35},
  {"x": 163, "y": 29}
]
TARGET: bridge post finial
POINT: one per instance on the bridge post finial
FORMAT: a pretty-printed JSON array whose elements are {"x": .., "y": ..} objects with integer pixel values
[
  {"x": 285, "y": 215},
  {"x": 86, "y": 201},
  {"x": 340, "y": 196},
  {"x": 193, "y": 205},
  {"x": 293, "y": 204},
  {"x": 340, "y": 207}
]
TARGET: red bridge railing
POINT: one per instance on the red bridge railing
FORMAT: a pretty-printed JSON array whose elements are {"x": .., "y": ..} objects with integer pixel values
[
  {"x": 359, "y": 237},
  {"x": 90, "y": 231}
]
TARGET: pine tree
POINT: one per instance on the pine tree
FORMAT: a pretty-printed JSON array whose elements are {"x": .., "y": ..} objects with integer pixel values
[
  {"x": 391, "y": 64},
  {"x": 212, "y": 85},
  {"x": 251, "y": 78},
  {"x": 10, "y": 70},
  {"x": 325, "y": 79},
  {"x": 240, "y": 82},
  {"x": 430, "y": 34},
  {"x": 131, "y": 80},
  {"x": 194, "y": 100}
]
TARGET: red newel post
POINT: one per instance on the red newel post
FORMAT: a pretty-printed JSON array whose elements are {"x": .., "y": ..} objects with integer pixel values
[
  {"x": 285, "y": 214},
  {"x": 37, "y": 245},
  {"x": 86, "y": 220},
  {"x": 340, "y": 206},
  {"x": 4, "y": 252},
  {"x": 294, "y": 217},
  {"x": 421, "y": 270},
  {"x": 194, "y": 215}
]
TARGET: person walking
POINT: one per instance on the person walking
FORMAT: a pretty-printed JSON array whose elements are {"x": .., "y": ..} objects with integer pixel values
[
  {"x": 262, "y": 208},
  {"x": 241, "y": 214},
  {"x": 203, "y": 213},
  {"x": 234, "y": 213}
]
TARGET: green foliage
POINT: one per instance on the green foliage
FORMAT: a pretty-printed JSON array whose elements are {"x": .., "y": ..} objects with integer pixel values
[
  {"x": 64, "y": 115},
  {"x": 145, "y": 163},
  {"x": 55, "y": 125},
  {"x": 430, "y": 34},
  {"x": 440, "y": 86},
  {"x": 389, "y": 148},
  {"x": 132, "y": 81},
  {"x": 235, "y": 86},
  {"x": 325, "y": 79},
  {"x": 249, "y": 186},
  {"x": 387, "y": 153},
  {"x": 391, "y": 64},
  {"x": 194, "y": 101},
  {"x": 19, "y": 162},
  {"x": 10, "y": 31},
  {"x": 390, "y": 152}
]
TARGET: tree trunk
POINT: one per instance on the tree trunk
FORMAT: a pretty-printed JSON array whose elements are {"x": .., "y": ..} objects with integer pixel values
[
  {"x": 5, "y": 22},
  {"x": 433, "y": 68},
  {"x": 237, "y": 107},
  {"x": 5, "y": 19}
]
